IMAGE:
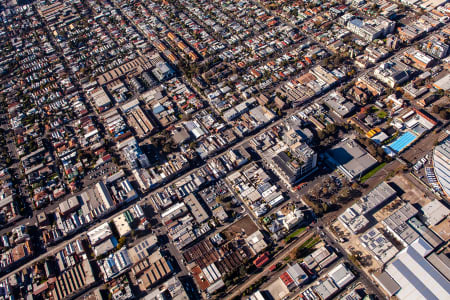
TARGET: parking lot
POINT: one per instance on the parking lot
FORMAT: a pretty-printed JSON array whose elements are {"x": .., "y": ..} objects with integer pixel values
[{"x": 98, "y": 173}]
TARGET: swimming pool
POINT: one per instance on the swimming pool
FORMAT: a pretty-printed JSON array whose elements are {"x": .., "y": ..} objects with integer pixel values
[{"x": 402, "y": 141}]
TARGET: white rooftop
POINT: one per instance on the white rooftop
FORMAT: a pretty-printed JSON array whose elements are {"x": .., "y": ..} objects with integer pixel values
[
  {"x": 99, "y": 233},
  {"x": 417, "y": 278},
  {"x": 341, "y": 275},
  {"x": 435, "y": 212},
  {"x": 443, "y": 83},
  {"x": 122, "y": 225}
]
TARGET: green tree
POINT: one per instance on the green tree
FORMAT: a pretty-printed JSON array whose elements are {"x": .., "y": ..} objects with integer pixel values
[
  {"x": 436, "y": 109},
  {"x": 445, "y": 114},
  {"x": 167, "y": 148},
  {"x": 121, "y": 242},
  {"x": 193, "y": 145},
  {"x": 242, "y": 271}
]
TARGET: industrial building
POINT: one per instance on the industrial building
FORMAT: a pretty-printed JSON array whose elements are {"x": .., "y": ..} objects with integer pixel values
[
  {"x": 376, "y": 198},
  {"x": 294, "y": 276},
  {"x": 415, "y": 276},
  {"x": 122, "y": 225},
  {"x": 322, "y": 257},
  {"x": 115, "y": 264},
  {"x": 441, "y": 164},
  {"x": 196, "y": 208},
  {"x": 378, "y": 244},
  {"x": 355, "y": 218},
  {"x": 73, "y": 281},
  {"x": 341, "y": 275},
  {"x": 434, "y": 212},
  {"x": 143, "y": 248},
  {"x": 151, "y": 270},
  {"x": 99, "y": 234},
  {"x": 351, "y": 159},
  {"x": 397, "y": 224}
]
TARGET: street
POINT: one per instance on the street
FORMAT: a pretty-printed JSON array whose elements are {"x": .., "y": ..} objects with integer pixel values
[{"x": 237, "y": 291}]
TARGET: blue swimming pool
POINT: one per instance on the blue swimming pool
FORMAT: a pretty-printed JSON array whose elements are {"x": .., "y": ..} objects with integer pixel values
[{"x": 402, "y": 141}]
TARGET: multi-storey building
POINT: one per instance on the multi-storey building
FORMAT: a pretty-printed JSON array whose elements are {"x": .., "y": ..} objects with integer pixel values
[
  {"x": 371, "y": 29},
  {"x": 435, "y": 47}
]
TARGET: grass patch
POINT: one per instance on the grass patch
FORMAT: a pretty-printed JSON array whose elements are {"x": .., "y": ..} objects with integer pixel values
[
  {"x": 294, "y": 234},
  {"x": 372, "y": 172},
  {"x": 381, "y": 114},
  {"x": 305, "y": 248},
  {"x": 311, "y": 243},
  {"x": 373, "y": 109}
]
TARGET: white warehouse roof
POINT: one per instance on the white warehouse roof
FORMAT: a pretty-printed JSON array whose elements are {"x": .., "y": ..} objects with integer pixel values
[
  {"x": 435, "y": 212},
  {"x": 417, "y": 278},
  {"x": 341, "y": 275},
  {"x": 99, "y": 233}
]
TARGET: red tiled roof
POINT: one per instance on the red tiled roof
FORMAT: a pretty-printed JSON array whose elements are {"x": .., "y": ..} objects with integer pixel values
[
  {"x": 202, "y": 283},
  {"x": 287, "y": 279},
  {"x": 261, "y": 260},
  {"x": 425, "y": 116}
]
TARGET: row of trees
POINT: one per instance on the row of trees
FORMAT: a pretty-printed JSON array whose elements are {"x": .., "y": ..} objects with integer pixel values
[
  {"x": 444, "y": 112},
  {"x": 374, "y": 149},
  {"x": 329, "y": 197},
  {"x": 164, "y": 142},
  {"x": 330, "y": 134}
]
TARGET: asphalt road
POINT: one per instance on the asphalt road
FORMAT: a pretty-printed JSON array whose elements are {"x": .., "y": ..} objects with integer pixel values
[
  {"x": 419, "y": 148},
  {"x": 392, "y": 166},
  {"x": 329, "y": 239},
  {"x": 238, "y": 290},
  {"x": 31, "y": 220},
  {"x": 50, "y": 251},
  {"x": 366, "y": 280}
]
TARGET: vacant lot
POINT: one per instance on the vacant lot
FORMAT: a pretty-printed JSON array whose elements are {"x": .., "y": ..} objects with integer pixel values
[
  {"x": 410, "y": 192},
  {"x": 243, "y": 226}
]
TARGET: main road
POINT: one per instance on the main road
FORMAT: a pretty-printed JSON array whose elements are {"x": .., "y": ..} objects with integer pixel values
[
  {"x": 279, "y": 257},
  {"x": 363, "y": 277},
  {"x": 143, "y": 199},
  {"x": 289, "y": 113}
]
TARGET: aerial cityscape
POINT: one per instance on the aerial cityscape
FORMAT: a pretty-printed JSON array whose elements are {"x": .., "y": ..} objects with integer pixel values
[{"x": 225, "y": 149}]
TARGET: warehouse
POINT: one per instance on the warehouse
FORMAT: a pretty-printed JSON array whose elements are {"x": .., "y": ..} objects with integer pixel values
[{"x": 417, "y": 278}]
